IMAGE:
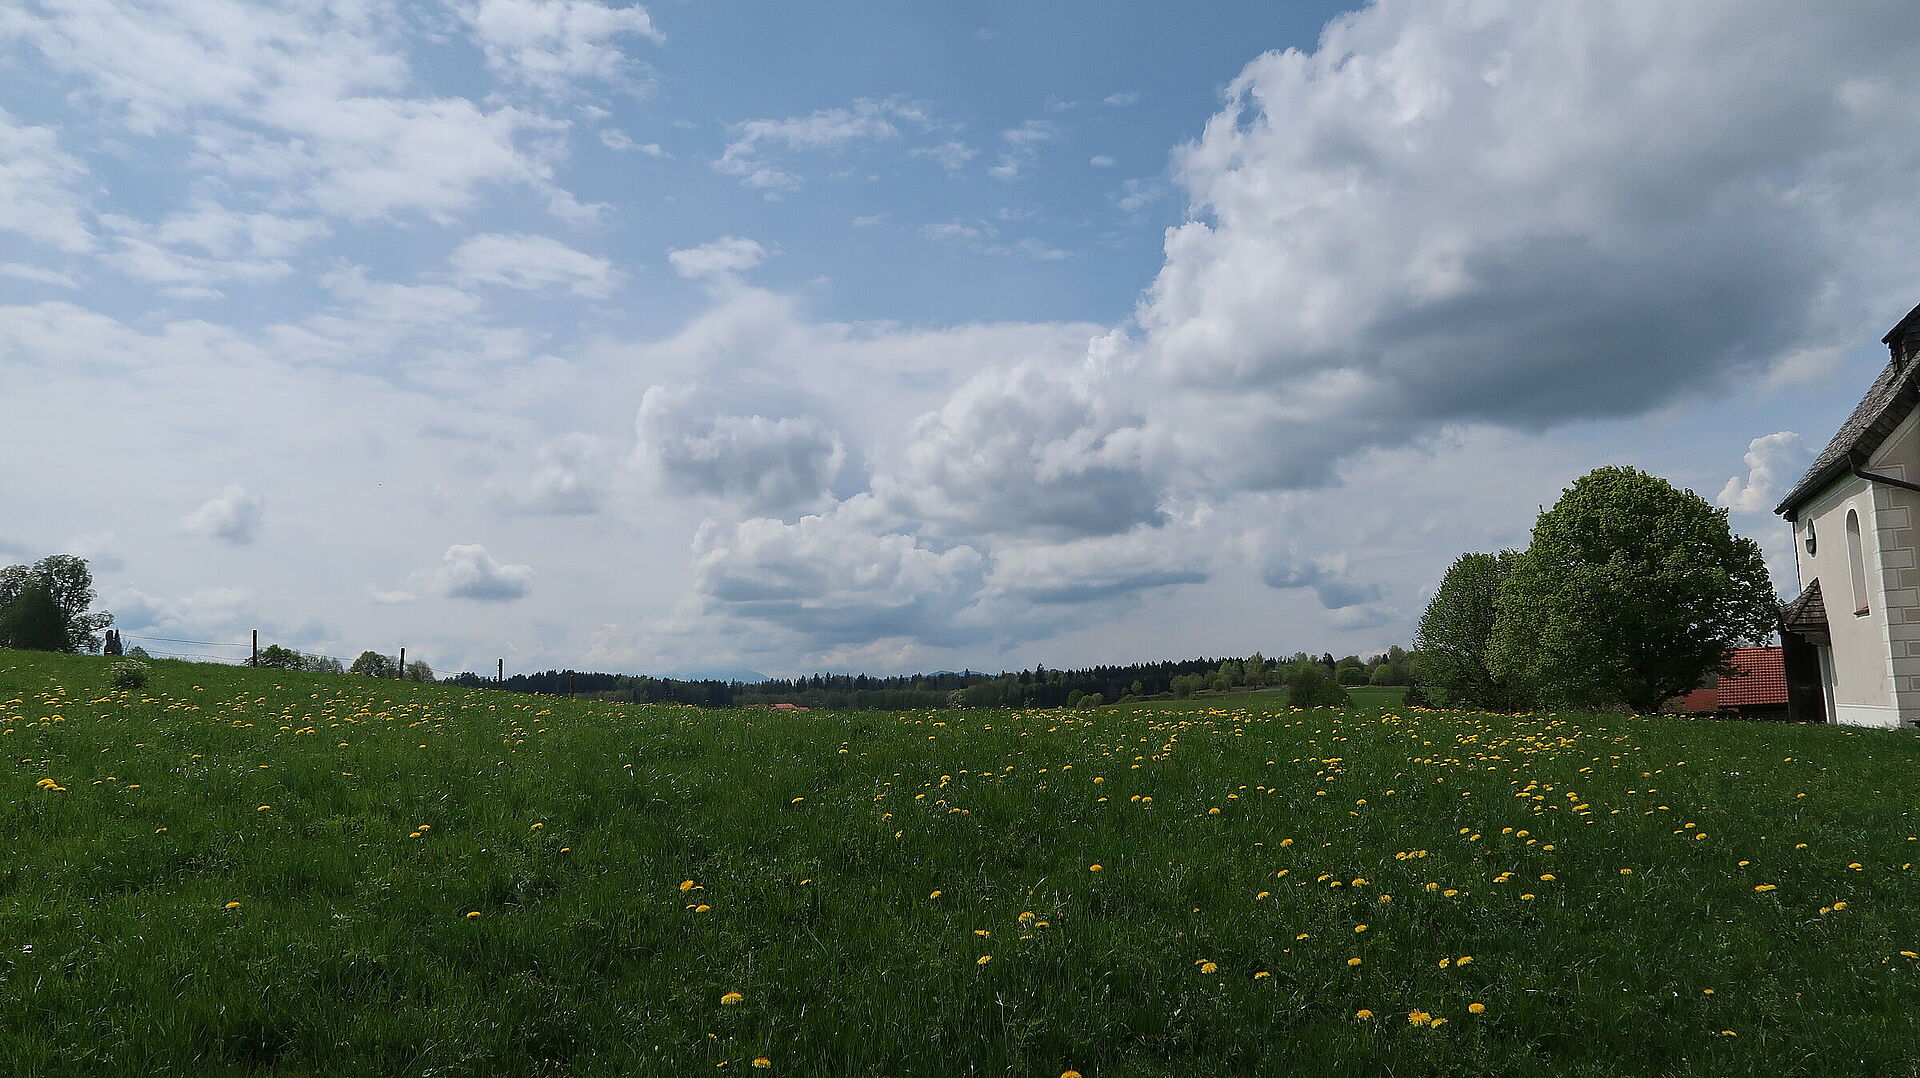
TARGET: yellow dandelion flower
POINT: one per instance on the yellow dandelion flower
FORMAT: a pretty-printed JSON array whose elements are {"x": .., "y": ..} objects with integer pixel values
[
  {"x": 1765, "y": 887},
  {"x": 982, "y": 932},
  {"x": 687, "y": 885},
  {"x": 1476, "y": 1008},
  {"x": 1262, "y": 974},
  {"x": 1463, "y": 960},
  {"x": 1419, "y": 1018},
  {"x": 536, "y": 827},
  {"x": 231, "y": 906},
  {"x": 1093, "y": 868},
  {"x": 1363, "y": 1014},
  {"x": 702, "y": 908},
  {"x": 730, "y": 999},
  {"x": 762, "y": 1063},
  {"x": 1353, "y": 961},
  {"x": 983, "y": 960},
  {"x": 935, "y": 894},
  {"x": 1069, "y": 1073},
  {"x": 263, "y": 808},
  {"x": 1359, "y": 928},
  {"x": 1262, "y": 895},
  {"x": 1208, "y": 967},
  {"x": 473, "y": 913}
]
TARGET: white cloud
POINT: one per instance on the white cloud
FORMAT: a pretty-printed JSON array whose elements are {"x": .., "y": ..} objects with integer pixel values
[
  {"x": 1122, "y": 99},
  {"x": 570, "y": 478},
  {"x": 687, "y": 446},
  {"x": 1102, "y": 567},
  {"x": 1025, "y": 451},
  {"x": 469, "y": 572},
  {"x": 1400, "y": 231},
  {"x": 208, "y": 244},
  {"x": 984, "y": 238},
  {"x": 722, "y": 260},
  {"x": 952, "y": 156},
  {"x": 531, "y": 263},
  {"x": 550, "y": 44},
  {"x": 1101, "y": 161},
  {"x": 831, "y": 579},
  {"x": 1020, "y": 148},
  {"x": 615, "y": 139},
  {"x": 233, "y": 516},
  {"x": 39, "y": 196},
  {"x": 38, "y": 274},
  {"x": 396, "y": 597},
  {"x": 303, "y": 100},
  {"x": 756, "y": 142},
  {"x": 1773, "y": 462}
]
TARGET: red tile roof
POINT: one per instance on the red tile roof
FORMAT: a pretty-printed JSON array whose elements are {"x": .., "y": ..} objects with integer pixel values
[{"x": 1762, "y": 679}]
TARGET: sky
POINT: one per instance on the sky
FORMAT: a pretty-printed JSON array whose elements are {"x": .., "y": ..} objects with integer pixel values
[{"x": 686, "y": 337}]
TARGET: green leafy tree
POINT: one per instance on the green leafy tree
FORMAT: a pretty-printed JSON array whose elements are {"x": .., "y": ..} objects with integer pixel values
[
  {"x": 1631, "y": 592},
  {"x": 69, "y": 582},
  {"x": 1312, "y": 685},
  {"x": 33, "y": 621},
  {"x": 1351, "y": 675},
  {"x": 275, "y": 657},
  {"x": 1452, "y": 642},
  {"x": 372, "y": 664}
]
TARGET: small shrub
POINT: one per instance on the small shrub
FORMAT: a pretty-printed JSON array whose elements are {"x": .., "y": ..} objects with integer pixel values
[{"x": 129, "y": 674}]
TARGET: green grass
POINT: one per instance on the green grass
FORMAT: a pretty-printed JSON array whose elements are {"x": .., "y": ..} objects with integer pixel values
[
  {"x": 817, "y": 841},
  {"x": 1366, "y": 696}
]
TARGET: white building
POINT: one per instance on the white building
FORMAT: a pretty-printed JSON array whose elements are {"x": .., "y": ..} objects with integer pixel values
[{"x": 1851, "y": 639}]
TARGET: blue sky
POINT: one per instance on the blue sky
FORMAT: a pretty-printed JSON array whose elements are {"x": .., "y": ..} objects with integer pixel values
[{"x": 678, "y": 337}]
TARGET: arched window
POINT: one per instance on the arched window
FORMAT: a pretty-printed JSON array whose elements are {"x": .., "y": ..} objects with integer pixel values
[{"x": 1857, "y": 563}]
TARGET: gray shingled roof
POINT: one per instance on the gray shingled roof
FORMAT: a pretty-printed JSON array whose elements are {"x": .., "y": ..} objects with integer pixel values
[
  {"x": 1806, "y": 615},
  {"x": 1894, "y": 394}
]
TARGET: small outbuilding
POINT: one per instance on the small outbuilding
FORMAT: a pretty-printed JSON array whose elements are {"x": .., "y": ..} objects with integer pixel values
[{"x": 1756, "y": 689}]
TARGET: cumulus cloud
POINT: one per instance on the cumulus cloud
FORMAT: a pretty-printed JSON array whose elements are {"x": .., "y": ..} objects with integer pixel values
[
  {"x": 469, "y": 572},
  {"x": 1773, "y": 462},
  {"x": 1027, "y": 451},
  {"x": 531, "y": 263},
  {"x": 40, "y": 196},
  {"x": 1328, "y": 579},
  {"x": 722, "y": 260},
  {"x": 688, "y": 446},
  {"x": 232, "y": 517},
  {"x": 1086, "y": 570},
  {"x": 550, "y": 44},
  {"x": 570, "y": 478},
  {"x": 1403, "y": 229},
  {"x": 834, "y": 579}
]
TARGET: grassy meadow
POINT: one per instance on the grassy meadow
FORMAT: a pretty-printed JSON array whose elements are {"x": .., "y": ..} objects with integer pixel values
[{"x": 237, "y": 872}]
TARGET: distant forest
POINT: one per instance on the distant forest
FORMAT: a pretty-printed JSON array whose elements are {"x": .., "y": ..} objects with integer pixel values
[{"x": 1038, "y": 687}]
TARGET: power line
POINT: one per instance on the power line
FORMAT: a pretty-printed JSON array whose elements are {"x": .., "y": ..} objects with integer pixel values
[{"x": 177, "y": 640}]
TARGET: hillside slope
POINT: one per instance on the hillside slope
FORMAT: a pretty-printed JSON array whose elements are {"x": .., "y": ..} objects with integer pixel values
[{"x": 250, "y": 872}]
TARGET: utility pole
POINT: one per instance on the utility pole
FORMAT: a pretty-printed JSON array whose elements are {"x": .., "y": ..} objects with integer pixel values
[
  {"x": 402, "y": 673},
  {"x": 255, "y": 663},
  {"x": 569, "y": 686},
  {"x": 500, "y": 674}
]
